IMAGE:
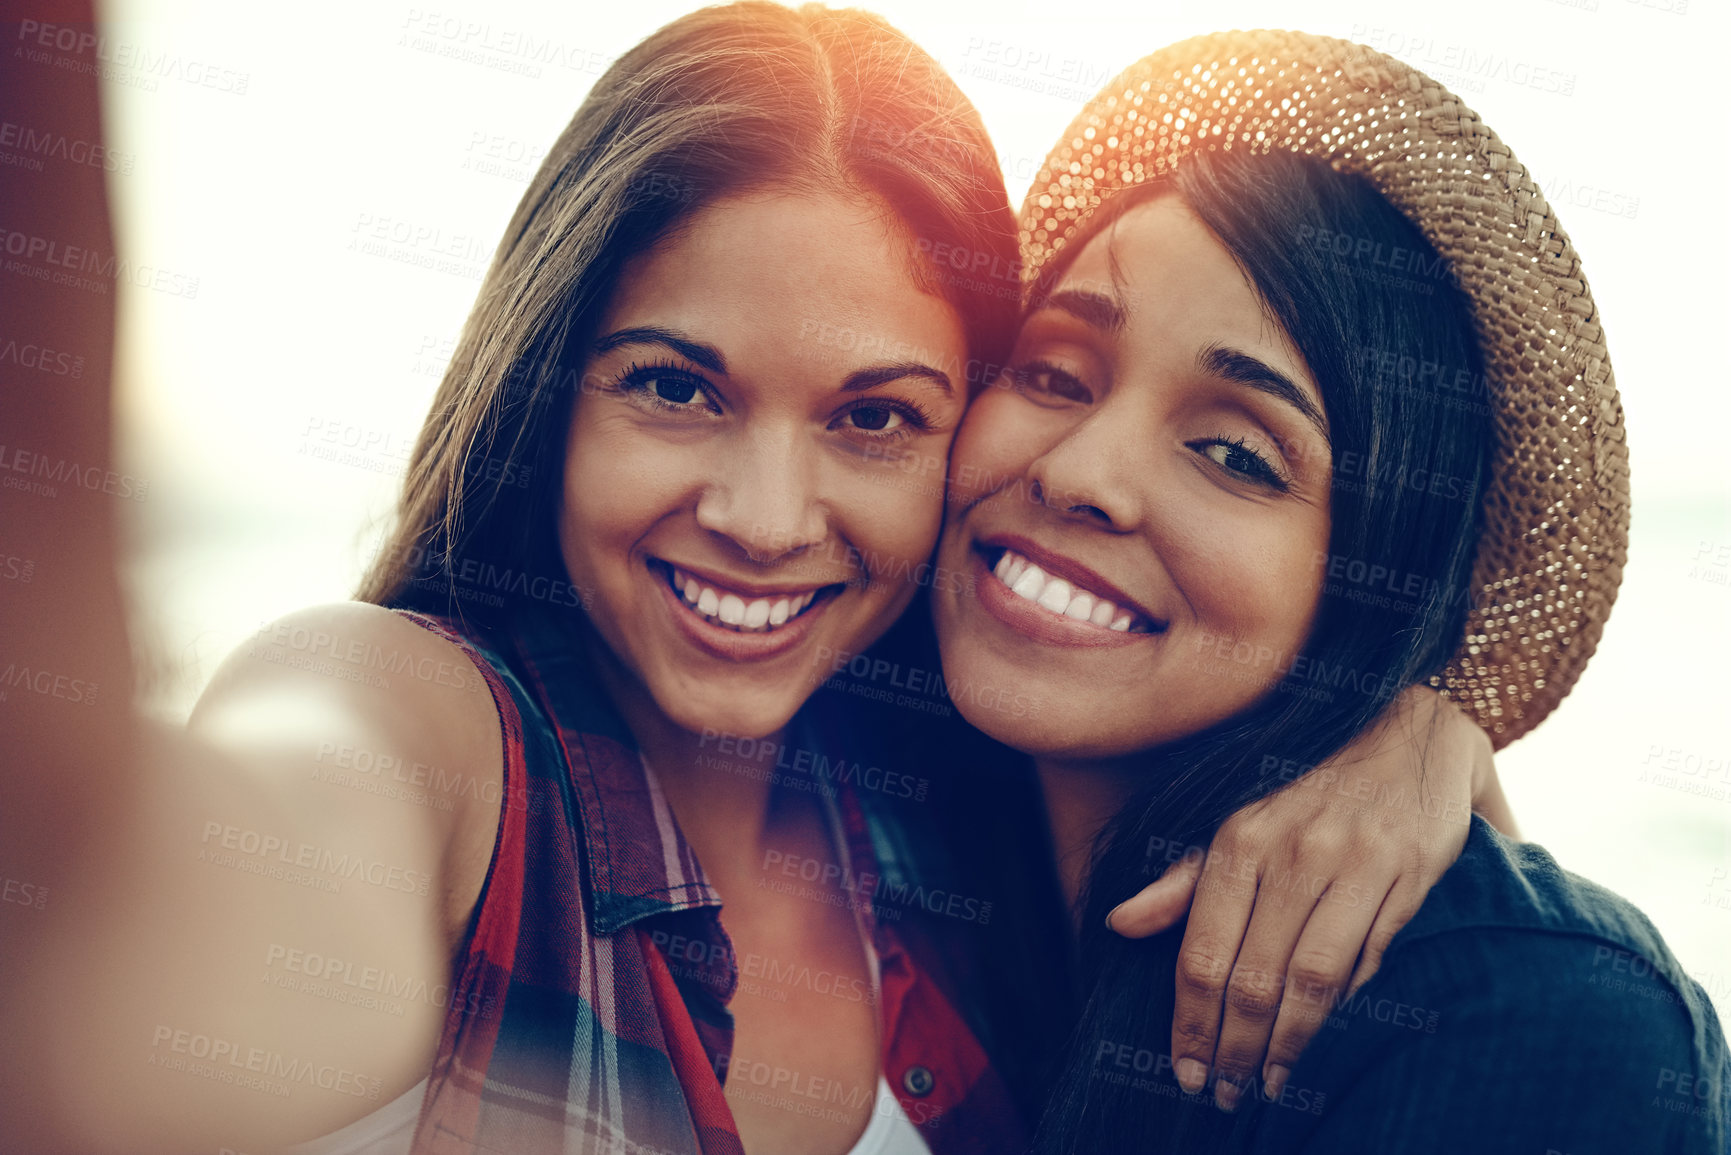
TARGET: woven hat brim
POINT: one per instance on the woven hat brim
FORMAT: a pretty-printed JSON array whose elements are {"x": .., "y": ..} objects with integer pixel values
[{"x": 1556, "y": 510}]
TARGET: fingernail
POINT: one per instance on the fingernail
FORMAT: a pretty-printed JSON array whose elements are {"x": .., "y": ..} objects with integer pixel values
[
  {"x": 1109, "y": 915},
  {"x": 1274, "y": 1081},
  {"x": 1226, "y": 1095},
  {"x": 1191, "y": 1075}
]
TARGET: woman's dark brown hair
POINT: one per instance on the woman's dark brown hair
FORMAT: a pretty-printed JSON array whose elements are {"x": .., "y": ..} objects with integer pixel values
[{"x": 726, "y": 100}]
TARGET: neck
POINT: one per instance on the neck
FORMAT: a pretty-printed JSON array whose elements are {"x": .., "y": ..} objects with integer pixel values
[
  {"x": 1081, "y": 798},
  {"x": 723, "y": 800}
]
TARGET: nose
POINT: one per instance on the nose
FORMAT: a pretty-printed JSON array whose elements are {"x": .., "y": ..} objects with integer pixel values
[
  {"x": 764, "y": 496},
  {"x": 1089, "y": 473}
]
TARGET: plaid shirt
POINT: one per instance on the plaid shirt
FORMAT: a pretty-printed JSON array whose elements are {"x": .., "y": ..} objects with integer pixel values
[{"x": 569, "y": 1028}]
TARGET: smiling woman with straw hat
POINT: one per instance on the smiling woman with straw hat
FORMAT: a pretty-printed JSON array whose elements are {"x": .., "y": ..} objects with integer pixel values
[{"x": 1310, "y": 373}]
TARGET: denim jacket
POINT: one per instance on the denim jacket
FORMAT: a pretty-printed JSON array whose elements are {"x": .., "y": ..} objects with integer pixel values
[{"x": 1523, "y": 1009}]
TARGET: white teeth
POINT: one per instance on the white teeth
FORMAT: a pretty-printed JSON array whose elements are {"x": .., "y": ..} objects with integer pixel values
[
  {"x": 1056, "y": 595},
  {"x": 758, "y": 615},
  {"x": 1029, "y": 581}
]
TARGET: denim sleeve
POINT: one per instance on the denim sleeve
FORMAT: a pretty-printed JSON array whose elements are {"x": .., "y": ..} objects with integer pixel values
[{"x": 1516, "y": 1041}]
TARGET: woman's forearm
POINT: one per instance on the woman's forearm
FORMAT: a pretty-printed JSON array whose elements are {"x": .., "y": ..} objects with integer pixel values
[{"x": 66, "y": 697}]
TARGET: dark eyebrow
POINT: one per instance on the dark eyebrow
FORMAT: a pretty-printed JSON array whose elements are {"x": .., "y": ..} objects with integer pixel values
[
  {"x": 1088, "y": 307},
  {"x": 696, "y": 352},
  {"x": 875, "y": 375},
  {"x": 709, "y": 357},
  {"x": 1243, "y": 369}
]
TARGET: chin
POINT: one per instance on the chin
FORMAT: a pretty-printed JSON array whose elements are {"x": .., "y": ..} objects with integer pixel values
[
  {"x": 1030, "y": 734},
  {"x": 1021, "y": 712},
  {"x": 1040, "y": 735},
  {"x": 1065, "y": 716},
  {"x": 735, "y": 718}
]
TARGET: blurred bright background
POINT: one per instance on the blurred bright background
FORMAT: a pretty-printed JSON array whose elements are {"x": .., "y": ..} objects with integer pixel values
[{"x": 271, "y": 407}]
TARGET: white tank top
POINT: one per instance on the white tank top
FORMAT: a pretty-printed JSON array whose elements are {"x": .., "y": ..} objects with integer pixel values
[{"x": 390, "y": 1130}]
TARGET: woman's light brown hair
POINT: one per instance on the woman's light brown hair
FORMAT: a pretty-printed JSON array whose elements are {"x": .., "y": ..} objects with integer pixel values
[{"x": 725, "y": 100}]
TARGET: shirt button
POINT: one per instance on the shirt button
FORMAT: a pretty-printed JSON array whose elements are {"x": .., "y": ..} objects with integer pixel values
[{"x": 918, "y": 1081}]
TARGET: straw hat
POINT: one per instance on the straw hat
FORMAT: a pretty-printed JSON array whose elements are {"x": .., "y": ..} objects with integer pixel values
[{"x": 1557, "y": 507}]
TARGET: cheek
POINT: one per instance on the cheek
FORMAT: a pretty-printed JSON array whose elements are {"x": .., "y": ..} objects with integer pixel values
[
  {"x": 1255, "y": 579},
  {"x": 1000, "y": 436},
  {"x": 617, "y": 485},
  {"x": 890, "y": 522}
]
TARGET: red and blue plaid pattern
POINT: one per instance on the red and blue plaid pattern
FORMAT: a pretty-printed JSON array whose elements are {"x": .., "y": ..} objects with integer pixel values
[{"x": 587, "y": 1041}]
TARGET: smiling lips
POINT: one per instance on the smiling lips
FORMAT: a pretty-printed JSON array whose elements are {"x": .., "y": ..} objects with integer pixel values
[
  {"x": 1065, "y": 598},
  {"x": 736, "y": 611}
]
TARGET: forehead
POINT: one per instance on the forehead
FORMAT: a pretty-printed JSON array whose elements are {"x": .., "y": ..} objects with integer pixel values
[
  {"x": 825, "y": 272},
  {"x": 1160, "y": 258},
  {"x": 1176, "y": 280}
]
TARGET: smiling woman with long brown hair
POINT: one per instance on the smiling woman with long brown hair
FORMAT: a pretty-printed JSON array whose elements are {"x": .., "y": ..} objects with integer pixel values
[{"x": 709, "y": 508}]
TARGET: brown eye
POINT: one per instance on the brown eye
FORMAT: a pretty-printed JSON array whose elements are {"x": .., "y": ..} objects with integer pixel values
[
  {"x": 678, "y": 390},
  {"x": 668, "y": 389},
  {"x": 1047, "y": 382},
  {"x": 874, "y": 417},
  {"x": 883, "y": 420},
  {"x": 1237, "y": 458}
]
